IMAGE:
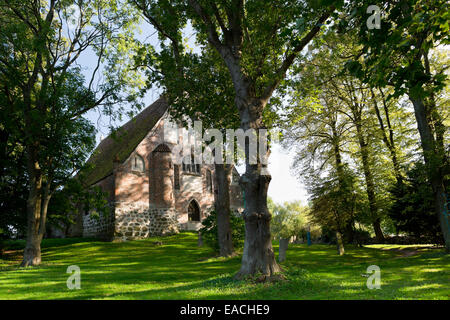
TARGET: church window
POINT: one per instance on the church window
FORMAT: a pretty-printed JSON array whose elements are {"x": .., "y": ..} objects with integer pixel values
[
  {"x": 191, "y": 167},
  {"x": 137, "y": 163}
]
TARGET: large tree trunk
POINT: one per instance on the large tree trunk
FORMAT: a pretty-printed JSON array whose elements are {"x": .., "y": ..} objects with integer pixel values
[
  {"x": 435, "y": 162},
  {"x": 258, "y": 255},
  {"x": 37, "y": 205},
  {"x": 222, "y": 206}
]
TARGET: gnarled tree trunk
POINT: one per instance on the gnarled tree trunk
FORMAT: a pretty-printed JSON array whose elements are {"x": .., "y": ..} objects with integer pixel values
[
  {"x": 258, "y": 255},
  {"x": 222, "y": 206}
]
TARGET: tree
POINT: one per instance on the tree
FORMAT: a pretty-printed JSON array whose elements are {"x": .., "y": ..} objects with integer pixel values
[
  {"x": 203, "y": 74},
  {"x": 46, "y": 93},
  {"x": 398, "y": 55},
  {"x": 290, "y": 219},
  {"x": 333, "y": 202},
  {"x": 331, "y": 116},
  {"x": 413, "y": 209},
  {"x": 210, "y": 231},
  {"x": 257, "y": 42}
]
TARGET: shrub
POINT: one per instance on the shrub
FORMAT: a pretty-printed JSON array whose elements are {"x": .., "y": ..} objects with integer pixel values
[
  {"x": 413, "y": 210},
  {"x": 210, "y": 235}
]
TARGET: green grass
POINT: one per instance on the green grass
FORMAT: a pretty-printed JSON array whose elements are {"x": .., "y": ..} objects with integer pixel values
[{"x": 179, "y": 269}]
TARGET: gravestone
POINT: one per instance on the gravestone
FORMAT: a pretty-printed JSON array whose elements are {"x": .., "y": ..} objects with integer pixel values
[
  {"x": 282, "y": 249},
  {"x": 200, "y": 240}
]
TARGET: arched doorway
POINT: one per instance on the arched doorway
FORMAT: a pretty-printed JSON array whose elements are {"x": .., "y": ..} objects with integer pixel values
[{"x": 193, "y": 211}]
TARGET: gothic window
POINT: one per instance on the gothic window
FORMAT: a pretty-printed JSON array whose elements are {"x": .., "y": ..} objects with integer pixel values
[
  {"x": 209, "y": 185},
  {"x": 137, "y": 163},
  {"x": 191, "y": 167},
  {"x": 193, "y": 211},
  {"x": 176, "y": 177}
]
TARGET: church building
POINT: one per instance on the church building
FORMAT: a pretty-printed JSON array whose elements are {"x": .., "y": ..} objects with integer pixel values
[{"x": 147, "y": 192}]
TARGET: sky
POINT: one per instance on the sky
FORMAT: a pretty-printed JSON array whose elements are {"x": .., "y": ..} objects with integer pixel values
[{"x": 283, "y": 187}]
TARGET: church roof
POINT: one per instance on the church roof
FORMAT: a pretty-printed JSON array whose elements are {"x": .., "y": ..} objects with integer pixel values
[{"x": 119, "y": 146}]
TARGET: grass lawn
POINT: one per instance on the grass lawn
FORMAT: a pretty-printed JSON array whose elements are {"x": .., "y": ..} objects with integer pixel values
[{"x": 178, "y": 269}]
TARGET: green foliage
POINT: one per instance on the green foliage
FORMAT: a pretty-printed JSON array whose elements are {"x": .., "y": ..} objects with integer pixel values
[
  {"x": 289, "y": 219},
  {"x": 44, "y": 92},
  {"x": 413, "y": 209},
  {"x": 233, "y": 55},
  {"x": 334, "y": 200},
  {"x": 392, "y": 55},
  {"x": 13, "y": 189},
  {"x": 210, "y": 235},
  {"x": 64, "y": 207}
]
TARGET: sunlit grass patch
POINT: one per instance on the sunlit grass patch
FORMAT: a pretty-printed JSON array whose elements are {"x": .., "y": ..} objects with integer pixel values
[{"x": 176, "y": 268}]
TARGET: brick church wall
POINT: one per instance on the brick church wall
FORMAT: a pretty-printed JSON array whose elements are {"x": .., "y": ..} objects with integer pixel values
[{"x": 144, "y": 203}]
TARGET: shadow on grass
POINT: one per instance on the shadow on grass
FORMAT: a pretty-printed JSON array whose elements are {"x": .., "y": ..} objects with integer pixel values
[{"x": 179, "y": 269}]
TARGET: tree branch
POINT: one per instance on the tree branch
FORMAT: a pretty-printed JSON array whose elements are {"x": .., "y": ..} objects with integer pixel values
[{"x": 281, "y": 72}]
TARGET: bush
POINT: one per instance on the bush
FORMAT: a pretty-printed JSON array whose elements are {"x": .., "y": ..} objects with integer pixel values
[
  {"x": 413, "y": 210},
  {"x": 210, "y": 235}
]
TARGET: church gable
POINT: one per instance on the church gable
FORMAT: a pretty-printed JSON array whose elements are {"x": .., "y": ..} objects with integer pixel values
[{"x": 119, "y": 146}]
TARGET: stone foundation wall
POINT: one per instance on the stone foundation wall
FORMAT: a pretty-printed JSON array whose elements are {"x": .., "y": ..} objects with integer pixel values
[
  {"x": 134, "y": 221},
  {"x": 98, "y": 225}
]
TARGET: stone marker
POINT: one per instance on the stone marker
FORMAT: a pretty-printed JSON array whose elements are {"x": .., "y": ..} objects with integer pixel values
[
  {"x": 200, "y": 240},
  {"x": 282, "y": 249}
]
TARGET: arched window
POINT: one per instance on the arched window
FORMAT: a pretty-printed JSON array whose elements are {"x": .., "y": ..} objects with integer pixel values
[
  {"x": 193, "y": 211},
  {"x": 137, "y": 163},
  {"x": 191, "y": 166}
]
